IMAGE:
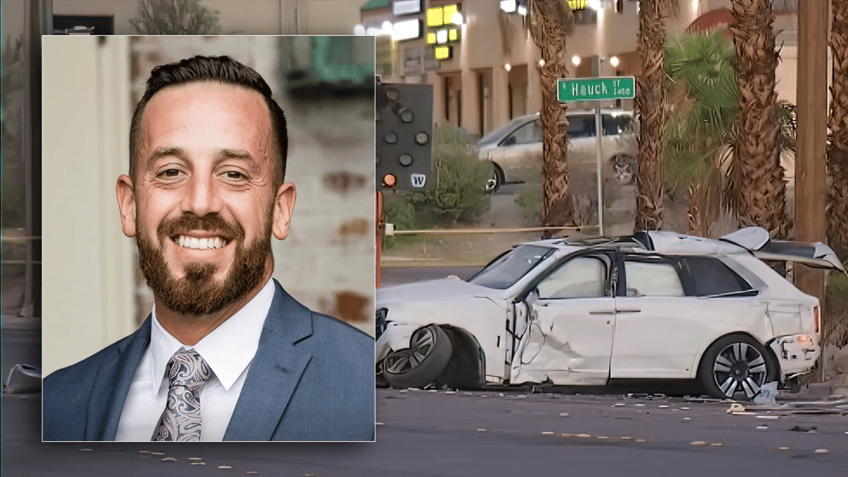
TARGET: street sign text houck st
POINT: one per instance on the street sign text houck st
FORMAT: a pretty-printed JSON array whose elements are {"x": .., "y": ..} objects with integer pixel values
[{"x": 595, "y": 89}]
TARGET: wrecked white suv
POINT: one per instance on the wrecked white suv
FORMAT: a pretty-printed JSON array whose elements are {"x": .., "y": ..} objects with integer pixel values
[{"x": 655, "y": 305}]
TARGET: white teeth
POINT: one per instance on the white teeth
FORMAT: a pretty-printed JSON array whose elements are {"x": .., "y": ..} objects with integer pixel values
[{"x": 200, "y": 244}]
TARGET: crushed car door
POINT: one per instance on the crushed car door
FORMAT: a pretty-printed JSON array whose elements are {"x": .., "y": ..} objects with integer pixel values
[
  {"x": 757, "y": 240},
  {"x": 572, "y": 315}
]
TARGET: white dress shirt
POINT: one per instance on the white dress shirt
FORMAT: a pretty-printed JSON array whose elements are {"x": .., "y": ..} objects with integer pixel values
[{"x": 228, "y": 350}]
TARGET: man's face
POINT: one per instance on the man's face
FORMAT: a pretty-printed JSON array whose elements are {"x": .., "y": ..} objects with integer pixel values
[{"x": 203, "y": 205}]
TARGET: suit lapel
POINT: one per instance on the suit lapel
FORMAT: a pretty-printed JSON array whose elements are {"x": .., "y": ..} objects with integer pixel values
[
  {"x": 112, "y": 384},
  {"x": 274, "y": 372}
]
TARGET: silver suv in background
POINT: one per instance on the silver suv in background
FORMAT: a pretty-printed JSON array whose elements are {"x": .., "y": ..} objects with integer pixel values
[{"x": 515, "y": 150}]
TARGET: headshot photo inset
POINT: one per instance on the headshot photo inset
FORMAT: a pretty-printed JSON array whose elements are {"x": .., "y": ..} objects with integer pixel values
[{"x": 208, "y": 247}]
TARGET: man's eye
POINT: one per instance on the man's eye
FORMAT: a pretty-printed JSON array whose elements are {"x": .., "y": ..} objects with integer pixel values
[
  {"x": 233, "y": 175},
  {"x": 171, "y": 173}
]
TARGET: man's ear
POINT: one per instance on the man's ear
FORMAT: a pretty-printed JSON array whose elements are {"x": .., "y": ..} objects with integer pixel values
[
  {"x": 283, "y": 207},
  {"x": 126, "y": 204}
]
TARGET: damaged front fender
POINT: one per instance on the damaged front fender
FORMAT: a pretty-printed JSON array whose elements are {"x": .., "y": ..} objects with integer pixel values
[{"x": 395, "y": 337}]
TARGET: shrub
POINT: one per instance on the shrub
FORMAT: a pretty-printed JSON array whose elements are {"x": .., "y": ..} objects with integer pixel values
[{"x": 458, "y": 196}]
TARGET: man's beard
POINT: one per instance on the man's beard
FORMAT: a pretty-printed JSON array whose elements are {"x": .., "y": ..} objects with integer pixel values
[{"x": 199, "y": 293}]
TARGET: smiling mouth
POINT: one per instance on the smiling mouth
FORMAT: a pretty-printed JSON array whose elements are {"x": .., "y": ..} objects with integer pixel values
[{"x": 200, "y": 243}]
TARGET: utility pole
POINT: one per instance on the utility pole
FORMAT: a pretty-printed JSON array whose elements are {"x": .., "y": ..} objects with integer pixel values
[{"x": 810, "y": 165}]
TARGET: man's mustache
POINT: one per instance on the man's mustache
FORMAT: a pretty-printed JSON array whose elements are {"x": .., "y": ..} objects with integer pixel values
[{"x": 187, "y": 223}]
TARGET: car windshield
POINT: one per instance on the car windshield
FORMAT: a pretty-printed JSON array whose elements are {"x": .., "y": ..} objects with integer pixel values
[
  {"x": 497, "y": 134},
  {"x": 506, "y": 270}
]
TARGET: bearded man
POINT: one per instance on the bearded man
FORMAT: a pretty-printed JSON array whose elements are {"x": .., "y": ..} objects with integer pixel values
[{"x": 226, "y": 353}]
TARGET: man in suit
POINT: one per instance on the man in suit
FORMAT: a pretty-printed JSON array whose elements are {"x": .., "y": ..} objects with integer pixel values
[{"x": 226, "y": 353}]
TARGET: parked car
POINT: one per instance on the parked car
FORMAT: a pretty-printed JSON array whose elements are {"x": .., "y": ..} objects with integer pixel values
[
  {"x": 654, "y": 305},
  {"x": 515, "y": 150}
]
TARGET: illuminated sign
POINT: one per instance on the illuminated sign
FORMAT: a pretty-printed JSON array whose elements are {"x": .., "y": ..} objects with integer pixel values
[
  {"x": 443, "y": 52},
  {"x": 406, "y": 7},
  {"x": 442, "y": 29},
  {"x": 510, "y": 6},
  {"x": 406, "y": 30},
  {"x": 441, "y": 16},
  {"x": 578, "y": 4}
]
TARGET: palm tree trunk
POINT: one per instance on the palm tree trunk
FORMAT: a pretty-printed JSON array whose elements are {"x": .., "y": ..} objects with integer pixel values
[
  {"x": 837, "y": 210},
  {"x": 549, "y": 34},
  {"x": 650, "y": 105},
  {"x": 761, "y": 190}
]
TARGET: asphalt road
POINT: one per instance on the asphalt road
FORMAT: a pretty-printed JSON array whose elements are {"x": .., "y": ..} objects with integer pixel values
[
  {"x": 497, "y": 432},
  {"x": 488, "y": 433}
]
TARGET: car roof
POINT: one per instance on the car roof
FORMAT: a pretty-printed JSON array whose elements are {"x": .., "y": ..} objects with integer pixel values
[{"x": 649, "y": 242}]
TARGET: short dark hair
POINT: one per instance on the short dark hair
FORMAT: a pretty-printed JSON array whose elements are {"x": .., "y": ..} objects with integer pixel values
[{"x": 220, "y": 69}]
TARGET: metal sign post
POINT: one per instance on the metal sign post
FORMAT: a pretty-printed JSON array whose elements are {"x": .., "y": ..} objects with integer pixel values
[{"x": 597, "y": 89}]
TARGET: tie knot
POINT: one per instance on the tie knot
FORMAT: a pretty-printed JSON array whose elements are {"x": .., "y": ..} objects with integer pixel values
[{"x": 187, "y": 368}]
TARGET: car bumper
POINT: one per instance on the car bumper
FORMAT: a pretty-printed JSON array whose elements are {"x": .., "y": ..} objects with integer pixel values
[{"x": 797, "y": 354}]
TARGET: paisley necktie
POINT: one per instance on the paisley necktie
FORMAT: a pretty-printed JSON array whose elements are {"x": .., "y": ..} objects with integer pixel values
[{"x": 187, "y": 374}]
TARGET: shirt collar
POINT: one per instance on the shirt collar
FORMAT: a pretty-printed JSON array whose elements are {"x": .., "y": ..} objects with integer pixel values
[{"x": 228, "y": 349}]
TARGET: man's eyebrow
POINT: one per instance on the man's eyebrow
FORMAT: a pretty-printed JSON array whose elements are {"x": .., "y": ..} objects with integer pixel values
[
  {"x": 228, "y": 153},
  {"x": 166, "y": 151}
]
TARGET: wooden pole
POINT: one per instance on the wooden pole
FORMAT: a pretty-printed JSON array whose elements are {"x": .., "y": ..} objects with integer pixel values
[{"x": 811, "y": 161}]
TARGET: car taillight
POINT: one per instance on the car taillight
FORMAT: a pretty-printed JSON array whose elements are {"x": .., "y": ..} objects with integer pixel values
[{"x": 817, "y": 318}]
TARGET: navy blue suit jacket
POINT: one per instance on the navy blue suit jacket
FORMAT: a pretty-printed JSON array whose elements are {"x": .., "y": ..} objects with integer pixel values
[{"x": 312, "y": 379}]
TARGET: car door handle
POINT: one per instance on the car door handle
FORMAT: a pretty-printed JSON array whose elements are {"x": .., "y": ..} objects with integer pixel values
[
  {"x": 602, "y": 312},
  {"x": 628, "y": 311}
]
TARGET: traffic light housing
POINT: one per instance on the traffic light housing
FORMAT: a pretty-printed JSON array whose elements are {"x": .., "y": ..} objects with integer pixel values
[{"x": 404, "y": 136}]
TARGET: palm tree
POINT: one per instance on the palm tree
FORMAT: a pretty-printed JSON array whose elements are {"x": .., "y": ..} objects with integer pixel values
[
  {"x": 550, "y": 22},
  {"x": 175, "y": 17},
  {"x": 650, "y": 106},
  {"x": 837, "y": 157},
  {"x": 760, "y": 188},
  {"x": 704, "y": 104}
]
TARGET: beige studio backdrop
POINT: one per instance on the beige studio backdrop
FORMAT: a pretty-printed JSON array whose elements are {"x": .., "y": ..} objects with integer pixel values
[{"x": 93, "y": 293}]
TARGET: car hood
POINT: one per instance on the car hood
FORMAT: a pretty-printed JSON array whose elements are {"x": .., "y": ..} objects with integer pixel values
[{"x": 442, "y": 289}]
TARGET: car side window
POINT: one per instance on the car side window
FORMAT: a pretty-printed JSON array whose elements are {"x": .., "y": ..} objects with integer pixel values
[
  {"x": 581, "y": 126},
  {"x": 581, "y": 277},
  {"x": 654, "y": 278},
  {"x": 526, "y": 134},
  {"x": 615, "y": 125},
  {"x": 707, "y": 276}
]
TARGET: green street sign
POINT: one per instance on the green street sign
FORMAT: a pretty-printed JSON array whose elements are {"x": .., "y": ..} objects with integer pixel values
[{"x": 595, "y": 89}]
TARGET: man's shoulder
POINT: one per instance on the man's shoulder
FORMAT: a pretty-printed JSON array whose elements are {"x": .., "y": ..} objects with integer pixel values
[{"x": 330, "y": 327}]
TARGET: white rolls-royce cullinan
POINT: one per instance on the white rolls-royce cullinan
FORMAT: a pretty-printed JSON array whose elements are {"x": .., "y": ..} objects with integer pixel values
[{"x": 655, "y": 305}]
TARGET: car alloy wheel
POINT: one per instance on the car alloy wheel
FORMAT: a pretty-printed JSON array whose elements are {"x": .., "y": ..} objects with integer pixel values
[
  {"x": 496, "y": 179},
  {"x": 422, "y": 363},
  {"x": 736, "y": 366},
  {"x": 624, "y": 169}
]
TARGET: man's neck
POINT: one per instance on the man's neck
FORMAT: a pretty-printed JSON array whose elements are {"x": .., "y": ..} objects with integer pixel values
[{"x": 190, "y": 329}]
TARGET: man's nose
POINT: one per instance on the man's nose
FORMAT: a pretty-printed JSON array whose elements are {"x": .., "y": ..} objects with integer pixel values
[{"x": 201, "y": 196}]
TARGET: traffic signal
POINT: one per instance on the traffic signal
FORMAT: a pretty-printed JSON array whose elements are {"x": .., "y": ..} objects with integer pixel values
[{"x": 404, "y": 136}]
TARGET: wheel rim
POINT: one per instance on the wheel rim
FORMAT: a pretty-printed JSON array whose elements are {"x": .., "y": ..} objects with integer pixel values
[
  {"x": 623, "y": 173},
  {"x": 740, "y": 367},
  {"x": 494, "y": 181},
  {"x": 421, "y": 345}
]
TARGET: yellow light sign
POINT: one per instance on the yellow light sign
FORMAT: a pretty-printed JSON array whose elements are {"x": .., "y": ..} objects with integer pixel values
[
  {"x": 578, "y": 4},
  {"x": 442, "y": 53},
  {"x": 449, "y": 10},
  {"x": 431, "y": 38},
  {"x": 435, "y": 17},
  {"x": 453, "y": 35}
]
